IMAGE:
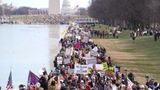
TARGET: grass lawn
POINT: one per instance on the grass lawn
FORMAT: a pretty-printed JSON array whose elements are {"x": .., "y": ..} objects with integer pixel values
[
  {"x": 141, "y": 56},
  {"x": 102, "y": 27}
]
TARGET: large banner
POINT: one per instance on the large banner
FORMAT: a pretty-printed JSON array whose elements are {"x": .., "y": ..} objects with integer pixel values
[{"x": 81, "y": 69}]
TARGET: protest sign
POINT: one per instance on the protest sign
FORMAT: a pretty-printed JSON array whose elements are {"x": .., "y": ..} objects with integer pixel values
[
  {"x": 90, "y": 65},
  {"x": 90, "y": 60},
  {"x": 67, "y": 60},
  {"x": 69, "y": 51},
  {"x": 99, "y": 66},
  {"x": 81, "y": 69},
  {"x": 94, "y": 52},
  {"x": 78, "y": 37},
  {"x": 59, "y": 60}
]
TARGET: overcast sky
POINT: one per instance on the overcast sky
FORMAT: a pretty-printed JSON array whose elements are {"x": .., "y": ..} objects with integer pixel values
[{"x": 43, "y": 3}]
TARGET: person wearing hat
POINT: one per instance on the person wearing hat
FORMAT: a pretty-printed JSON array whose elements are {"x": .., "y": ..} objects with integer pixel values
[{"x": 22, "y": 87}]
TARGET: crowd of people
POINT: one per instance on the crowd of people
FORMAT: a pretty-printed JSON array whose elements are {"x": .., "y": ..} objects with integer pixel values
[
  {"x": 83, "y": 65},
  {"x": 104, "y": 34},
  {"x": 146, "y": 32},
  {"x": 38, "y": 19},
  {"x": 115, "y": 31},
  {"x": 111, "y": 33}
]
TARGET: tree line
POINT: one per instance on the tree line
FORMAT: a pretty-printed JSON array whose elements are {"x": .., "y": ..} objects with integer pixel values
[
  {"x": 10, "y": 10},
  {"x": 128, "y": 13}
]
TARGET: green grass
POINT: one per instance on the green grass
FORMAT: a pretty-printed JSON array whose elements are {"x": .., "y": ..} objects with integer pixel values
[
  {"x": 149, "y": 61},
  {"x": 102, "y": 27},
  {"x": 125, "y": 34},
  {"x": 145, "y": 49}
]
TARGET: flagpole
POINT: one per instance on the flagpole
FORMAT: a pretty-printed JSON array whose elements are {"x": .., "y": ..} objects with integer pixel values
[
  {"x": 11, "y": 68},
  {"x": 9, "y": 83}
]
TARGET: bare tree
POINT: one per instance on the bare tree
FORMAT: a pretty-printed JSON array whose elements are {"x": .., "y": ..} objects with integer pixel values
[{"x": 136, "y": 13}]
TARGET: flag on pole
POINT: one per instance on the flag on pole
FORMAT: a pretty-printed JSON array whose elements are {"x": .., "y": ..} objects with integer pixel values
[
  {"x": 130, "y": 84},
  {"x": 32, "y": 78},
  {"x": 9, "y": 83}
]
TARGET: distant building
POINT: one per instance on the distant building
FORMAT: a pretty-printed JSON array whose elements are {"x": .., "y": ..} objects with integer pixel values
[
  {"x": 66, "y": 8},
  {"x": 38, "y": 12},
  {"x": 54, "y": 7}
]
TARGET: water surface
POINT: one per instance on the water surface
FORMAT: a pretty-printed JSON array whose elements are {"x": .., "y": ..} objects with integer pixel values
[{"x": 27, "y": 47}]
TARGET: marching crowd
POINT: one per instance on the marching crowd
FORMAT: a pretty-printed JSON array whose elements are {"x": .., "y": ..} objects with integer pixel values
[
  {"x": 83, "y": 65},
  {"x": 37, "y": 19}
]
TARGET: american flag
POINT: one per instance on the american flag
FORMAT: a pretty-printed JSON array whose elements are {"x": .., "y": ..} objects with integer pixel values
[
  {"x": 9, "y": 84},
  {"x": 130, "y": 84}
]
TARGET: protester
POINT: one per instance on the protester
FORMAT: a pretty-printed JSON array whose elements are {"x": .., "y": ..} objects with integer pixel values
[
  {"x": 22, "y": 87},
  {"x": 133, "y": 35},
  {"x": 155, "y": 35}
]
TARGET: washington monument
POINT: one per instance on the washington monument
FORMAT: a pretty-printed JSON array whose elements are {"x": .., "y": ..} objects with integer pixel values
[{"x": 54, "y": 7}]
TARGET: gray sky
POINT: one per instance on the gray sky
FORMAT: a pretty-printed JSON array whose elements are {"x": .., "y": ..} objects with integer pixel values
[{"x": 43, "y": 3}]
